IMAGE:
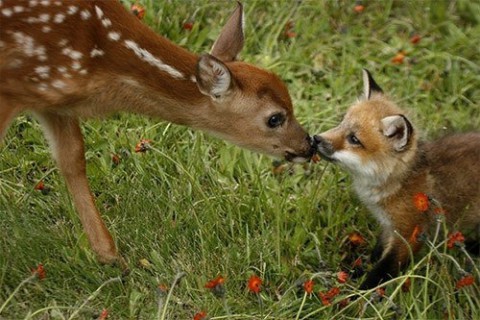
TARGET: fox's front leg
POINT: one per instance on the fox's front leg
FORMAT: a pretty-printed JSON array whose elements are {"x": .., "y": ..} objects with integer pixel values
[
  {"x": 395, "y": 254},
  {"x": 66, "y": 142}
]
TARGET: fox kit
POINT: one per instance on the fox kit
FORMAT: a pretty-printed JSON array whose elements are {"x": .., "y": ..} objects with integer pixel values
[{"x": 378, "y": 145}]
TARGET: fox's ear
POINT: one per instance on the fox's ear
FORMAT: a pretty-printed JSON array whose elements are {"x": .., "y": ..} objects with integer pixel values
[
  {"x": 213, "y": 77},
  {"x": 397, "y": 129},
  {"x": 369, "y": 85}
]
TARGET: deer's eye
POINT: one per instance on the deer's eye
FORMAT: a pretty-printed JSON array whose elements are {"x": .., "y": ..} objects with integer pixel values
[
  {"x": 352, "y": 139},
  {"x": 276, "y": 120}
]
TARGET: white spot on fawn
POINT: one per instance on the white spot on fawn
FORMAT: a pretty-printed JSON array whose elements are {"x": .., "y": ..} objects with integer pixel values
[
  {"x": 63, "y": 42},
  {"x": 45, "y": 3},
  {"x": 44, "y": 17},
  {"x": 75, "y": 55},
  {"x": 7, "y": 12},
  {"x": 85, "y": 14},
  {"x": 99, "y": 12},
  {"x": 29, "y": 47},
  {"x": 106, "y": 22},
  {"x": 42, "y": 87},
  {"x": 62, "y": 69},
  {"x": 46, "y": 29},
  {"x": 59, "y": 18},
  {"x": 72, "y": 10},
  {"x": 59, "y": 84},
  {"x": 33, "y": 3},
  {"x": 76, "y": 65},
  {"x": 43, "y": 71},
  {"x": 146, "y": 56},
  {"x": 114, "y": 36},
  {"x": 18, "y": 9},
  {"x": 96, "y": 52}
]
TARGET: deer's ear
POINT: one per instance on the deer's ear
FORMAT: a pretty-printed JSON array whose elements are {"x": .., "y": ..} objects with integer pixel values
[
  {"x": 398, "y": 130},
  {"x": 370, "y": 87},
  {"x": 213, "y": 77},
  {"x": 230, "y": 41}
]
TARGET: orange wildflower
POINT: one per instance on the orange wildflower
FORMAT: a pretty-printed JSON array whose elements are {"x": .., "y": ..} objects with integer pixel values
[
  {"x": 188, "y": 26},
  {"x": 455, "y": 238},
  {"x": 39, "y": 186},
  {"x": 39, "y": 271},
  {"x": 316, "y": 158},
  {"x": 416, "y": 232},
  {"x": 143, "y": 145},
  {"x": 327, "y": 297},
  {"x": 138, "y": 10},
  {"x": 200, "y": 315},
  {"x": 467, "y": 280},
  {"x": 289, "y": 33},
  {"x": 103, "y": 315},
  {"x": 421, "y": 202},
  {"x": 358, "y": 8},
  {"x": 406, "y": 285},
  {"x": 342, "y": 276},
  {"x": 380, "y": 292},
  {"x": 415, "y": 39},
  {"x": 356, "y": 239},
  {"x": 399, "y": 57},
  {"x": 357, "y": 263},
  {"x": 308, "y": 286},
  {"x": 255, "y": 284},
  {"x": 216, "y": 285},
  {"x": 115, "y": 159}
]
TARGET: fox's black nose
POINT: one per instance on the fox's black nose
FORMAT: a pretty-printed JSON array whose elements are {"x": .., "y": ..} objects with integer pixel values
[{"x": 317, "y": 140}]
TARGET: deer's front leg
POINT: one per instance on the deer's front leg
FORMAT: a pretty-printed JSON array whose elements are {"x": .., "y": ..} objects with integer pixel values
[{"x": 66, "y": 142}]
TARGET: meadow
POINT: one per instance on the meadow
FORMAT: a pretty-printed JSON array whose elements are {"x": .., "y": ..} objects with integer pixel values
[{"x": 192, "y": 208}]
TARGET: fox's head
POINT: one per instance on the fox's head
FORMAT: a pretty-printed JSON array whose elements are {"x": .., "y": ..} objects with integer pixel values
[{"x": 374, "y": 141}]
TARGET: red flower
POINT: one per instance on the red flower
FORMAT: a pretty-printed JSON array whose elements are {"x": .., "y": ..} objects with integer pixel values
[
  {"x": 415, "y": 233},
  {"x": 316, "y": 158},
  {"x": 421, "y": 202},
  {"x": 138, "y": 10},
  {"x": 103, "y": 315},
  {"x": 143, "y": 145},
  {"x": 39, "y": 271},
  {"x": 359, "y": 8},
  {"x": 380, "y": 292},
  {"x": 415, "y": 39},
  {"x": 200, "y": 315},
  {"x": 326, "y": 297},
  {"x": 289, "y": 33},
  {"x": 406, "y": 285},
  {"x": 254, "y": 284},
  {"x": 39, "y": 186},
  {"x": 399, "y": 57},
  {"x": 357, "y": 263},
  {"x": 467, "y": 280},
  {"x": 356, "y": 238},
  {"x": 216, "y": 285},
  {"x": 115, "y": 159},
  {"x": 215, "y": 282},
  {"x": 342, "y": 276},
  {"x": 308, "y": 286},
  {"x": 455, "y": 238},
  {"x": 188, "y": 26}
]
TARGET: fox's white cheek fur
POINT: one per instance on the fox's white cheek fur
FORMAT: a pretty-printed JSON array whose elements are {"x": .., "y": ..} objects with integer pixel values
[{"x": 354, "y": 163}]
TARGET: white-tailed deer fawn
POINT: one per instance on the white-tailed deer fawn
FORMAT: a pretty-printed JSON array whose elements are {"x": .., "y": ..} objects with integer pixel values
[{"x": 67, "y": 60}]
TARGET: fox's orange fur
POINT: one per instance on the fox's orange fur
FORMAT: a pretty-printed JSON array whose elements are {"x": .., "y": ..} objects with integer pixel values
[{"x": 378, "y": 145}]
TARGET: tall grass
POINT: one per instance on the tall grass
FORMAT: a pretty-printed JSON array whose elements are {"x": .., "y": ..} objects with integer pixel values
[{"x": 198, "y": 207}]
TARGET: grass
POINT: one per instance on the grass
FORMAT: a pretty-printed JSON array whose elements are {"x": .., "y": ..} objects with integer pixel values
[{"x": 198, "y": 207}]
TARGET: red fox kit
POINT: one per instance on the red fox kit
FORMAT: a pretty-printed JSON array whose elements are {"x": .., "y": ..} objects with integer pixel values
[{"x": 378, "y": 145}]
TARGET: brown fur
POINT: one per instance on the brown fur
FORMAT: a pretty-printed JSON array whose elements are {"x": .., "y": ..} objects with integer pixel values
[
  {"x": 388, "y": 174},
  {"x": 137, "y": 71}
]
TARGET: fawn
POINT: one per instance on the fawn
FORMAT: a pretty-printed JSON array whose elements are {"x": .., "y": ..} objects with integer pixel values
[{"x": 64, "y": 60}]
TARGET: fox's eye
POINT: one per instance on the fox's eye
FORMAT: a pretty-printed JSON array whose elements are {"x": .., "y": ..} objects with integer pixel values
[
  {"x": 276, "y": 120},
  {"x": 352, "y": 139}
]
